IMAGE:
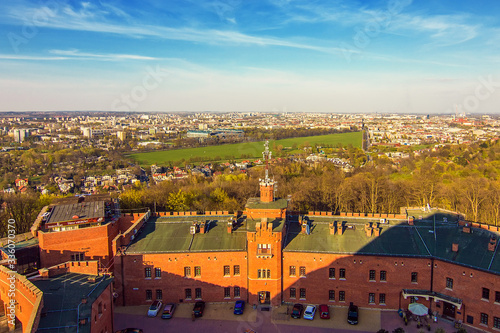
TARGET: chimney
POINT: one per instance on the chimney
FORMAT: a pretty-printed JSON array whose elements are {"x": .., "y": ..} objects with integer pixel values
[
  {"x": 492, "y": 244},
  {"x": 377, "y": 231},
  {"x": 466, "y": 228},
  {"x": 410, "y": 220},
  {"x": 305, "y": 227},
  {"x": 203, "y": 226},
  {"x": 340, "y": 227},
  {"x": 230, "y": 226},
  {"x": 332, "y": 228},
  {"x": 44, "y": 273},
  {"x": 454, "y": 247}
]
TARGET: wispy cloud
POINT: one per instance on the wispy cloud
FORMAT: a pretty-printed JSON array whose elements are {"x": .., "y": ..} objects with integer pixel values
[
  {"x": 83, "y": 20},
  {"x": 74, "y": 53}
]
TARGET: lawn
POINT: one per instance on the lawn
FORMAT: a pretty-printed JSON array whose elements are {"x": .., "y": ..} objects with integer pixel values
[{"x": 238, "y": 150}]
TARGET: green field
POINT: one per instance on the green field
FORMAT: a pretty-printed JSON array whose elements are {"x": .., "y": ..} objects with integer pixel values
[{"x": 248, "y": 149}]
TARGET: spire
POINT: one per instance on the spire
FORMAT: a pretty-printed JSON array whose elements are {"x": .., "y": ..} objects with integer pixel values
[
  {"x": 267, "y": 185},
  {"x": 267, "y": 156}
]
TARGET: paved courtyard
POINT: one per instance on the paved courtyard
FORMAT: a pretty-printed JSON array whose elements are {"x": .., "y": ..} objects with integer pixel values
[{"x": 219, "y": 317}]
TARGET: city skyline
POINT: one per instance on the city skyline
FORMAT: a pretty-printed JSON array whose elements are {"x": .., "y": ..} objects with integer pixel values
[{"x": 395, "y": 56}]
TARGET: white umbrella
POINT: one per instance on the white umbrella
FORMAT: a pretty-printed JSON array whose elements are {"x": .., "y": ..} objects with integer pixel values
[{"x": 418, "y": 309}]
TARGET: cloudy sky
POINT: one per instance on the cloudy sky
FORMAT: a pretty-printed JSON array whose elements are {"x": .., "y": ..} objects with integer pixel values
[{"x": 236, "y": 55}]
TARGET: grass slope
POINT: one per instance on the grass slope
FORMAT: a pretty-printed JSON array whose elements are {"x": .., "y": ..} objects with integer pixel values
[{"x": 253, "y": 149}]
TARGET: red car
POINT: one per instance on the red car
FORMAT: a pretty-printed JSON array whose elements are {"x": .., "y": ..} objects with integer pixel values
[{"x": 324, "y": 313}]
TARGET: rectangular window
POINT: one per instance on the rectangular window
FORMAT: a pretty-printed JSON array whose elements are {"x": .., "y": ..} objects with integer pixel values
[
  {"x": 414, "y": 277},
  {"x": 236, "y": 292},
  {"x": 149, "y": 295},
  {"x": 331, "y": 295},
  {"x": 371, "y": 276},
  {"x": 497, "y": 296},
  {"x": 187, "y": 271},
  {"x": 302, "y": 271},
  {"x": 197, "y": 293},
  {"x": 342, "y": 273},
  {"x": 371, "y": 298},
  {"x": 236, "y": 270},
  {"x": 381, "y": 298},
  {"x": 99, "y": 308},
  {"x": 159, "y": 294},
  {"x": 268, "y": 273},
  {"x": 412, "y": 299},
  {"x": 383, "y": 276},
  {"x": 147, "y": 272},
  {"x": 227, "y": 270},
  {"x": 293, "y": 293},
  {"x": 331, "y": 273},
  {"x": 158, "y": 272},
  {"x": 78, "y": 257},
  {"x": 342, "y": 296},
  {"x": 470, "y": 320},
  {"x": 486, "y": 293},
  {"x": 259, "y": 274},
  {"x": 197, "y": 271},
  {"x": 227, "y": 292},
  {"x": 484, "y": 319},
  {"x": 449, "y": 283},
  {"x": 302, "y": 293},
  {"x": 496, "y": 322},
  {"x": 292, "y": 270},
  {"x": 188, "y": 293}
]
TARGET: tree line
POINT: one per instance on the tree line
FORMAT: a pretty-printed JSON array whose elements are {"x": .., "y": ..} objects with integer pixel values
[{"x": 461, "y": 178}]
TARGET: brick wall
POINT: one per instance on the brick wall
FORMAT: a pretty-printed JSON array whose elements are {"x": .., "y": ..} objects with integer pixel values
[
  {"x": 102, "y": 312},
  {"x": 468, "y": 285},
  {"x": 28, "y": 299},
  {"x": 356, "y": 284},
  {"x": 131, "y": 283}
]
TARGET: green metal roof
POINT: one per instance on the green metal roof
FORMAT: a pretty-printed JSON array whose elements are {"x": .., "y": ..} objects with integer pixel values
[
  {"x": 172, "y": 234},
  {"x": 425, "y": 239},
  {"x": 62, "y": 295}
]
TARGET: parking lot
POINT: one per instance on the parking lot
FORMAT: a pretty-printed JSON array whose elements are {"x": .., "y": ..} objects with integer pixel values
[{"x": 219, "y": 317}]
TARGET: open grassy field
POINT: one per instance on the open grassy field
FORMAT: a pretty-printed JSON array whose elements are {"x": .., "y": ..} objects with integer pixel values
[{"x": 239, "y": 150}]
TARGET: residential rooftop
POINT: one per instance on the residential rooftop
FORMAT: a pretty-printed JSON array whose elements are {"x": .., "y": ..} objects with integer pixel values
[{"x": 62, "y": 295}]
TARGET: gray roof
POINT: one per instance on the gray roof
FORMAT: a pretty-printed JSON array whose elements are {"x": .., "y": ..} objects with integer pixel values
[
  {"x": 84, "y": 209},
  {"x": 62, "y": 295},
  {"x": 172, "y": 234}
]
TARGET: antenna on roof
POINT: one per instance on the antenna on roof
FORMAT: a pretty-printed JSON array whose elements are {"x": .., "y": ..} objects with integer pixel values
[{"x": 267, "y": 156}]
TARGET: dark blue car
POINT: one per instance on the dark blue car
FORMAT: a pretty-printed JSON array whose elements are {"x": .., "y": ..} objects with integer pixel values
[{"x": 239, "y": 307}]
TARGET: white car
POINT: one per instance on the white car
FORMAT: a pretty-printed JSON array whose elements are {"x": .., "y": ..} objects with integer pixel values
[
  {"x": 310, "y": 311},
  {"x": 154, "y": 309}
]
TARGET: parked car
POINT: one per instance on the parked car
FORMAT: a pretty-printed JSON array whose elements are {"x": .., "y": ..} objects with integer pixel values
[
  {"x": 324, "y": 313},
  {"x": 154, "y": 309},
  {"x": 352, "y": 314},
  {"x": 239, "y": 306},
  {"x": 309, "y": 312},
  {"x": 198, "y": 309},
  {"x": 297, "y": 311},
  {"x": 130, "y": 330},
  {"x": 168, "y": 311}
]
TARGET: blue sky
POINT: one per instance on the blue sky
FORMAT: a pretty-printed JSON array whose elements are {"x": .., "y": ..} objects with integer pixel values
[{"x": 235, "y": 55}]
